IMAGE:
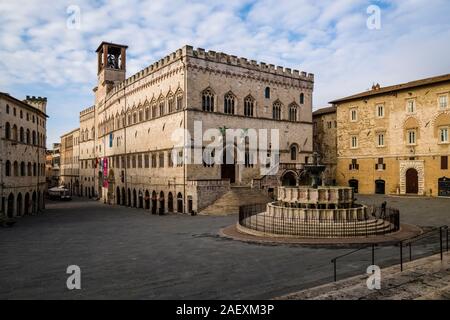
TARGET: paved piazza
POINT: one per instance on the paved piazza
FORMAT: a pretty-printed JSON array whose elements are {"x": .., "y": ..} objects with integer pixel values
[{"x": 129, "y": 254}]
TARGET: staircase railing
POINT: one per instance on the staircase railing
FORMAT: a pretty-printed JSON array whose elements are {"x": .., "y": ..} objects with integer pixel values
[{"x": 442, "y": 229}]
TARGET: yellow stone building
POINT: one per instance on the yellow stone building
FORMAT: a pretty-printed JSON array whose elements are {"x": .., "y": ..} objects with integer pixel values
[{"x": 395, "y": 139}]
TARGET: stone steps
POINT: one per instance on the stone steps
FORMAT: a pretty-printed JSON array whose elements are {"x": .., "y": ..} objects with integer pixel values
[
  {"x": 426, "y": 278},
  {"x": 230, "y": 202},
  {"x": 267, "y": 225}
]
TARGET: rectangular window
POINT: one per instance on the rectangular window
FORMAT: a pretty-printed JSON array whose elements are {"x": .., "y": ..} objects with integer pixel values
[
  {"x": 353, "y": 115},
  {"x": 381, "y": 139},
  {"x": 147, "y": 161},
  {"x": 443, "y": 135},
  {"x": 443, "y": 102},
  {"x": 354, "y": 142},
  {"x": 161, "y": 160},
  {"x": 354, "y": 165},
  {"x": 139, "y": 159},
  {"x": 411, "y": 106},
  {"x": 444, "y": 163},
  {"x": 380, "y": 111},
  {"x": 412, "y": 137},
  {"x": 153, "y": 160},
  {"x": 134, "y": 161}
]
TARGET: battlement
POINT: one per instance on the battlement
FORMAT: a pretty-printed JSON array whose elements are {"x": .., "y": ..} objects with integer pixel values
[
  {"x": 36, "y": 99},
  {"x": 213, "y": 56},
  {"x": 39, "y": 103},
  {"x": 87, "y": 110}
]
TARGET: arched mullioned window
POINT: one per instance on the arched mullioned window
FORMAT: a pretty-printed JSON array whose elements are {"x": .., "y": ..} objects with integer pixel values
[
  {"x": 147, "y": 113},
  {"x": 8, "y": 168},
  {"x": 179, "y": 100},
  {"x": 170, "y": 102},
  {"x": 7, "y": 131},
  {"x": 267, "y": 93},
  {"x": 33, "y": 137},
  {"x": 29, "y": 171},
  {"x": 249, "y": 104},
  {"x": 22, "y": 135},
  {"x": 276, "y": 110},
  {"x": 228, "y": 103},
  {"x": 302, "y": 98},
  {"x": 293, "y": 112},
  {"x": 161, "y": 106},
  {"x": 294, "y": 152},
  {"x": 208, "y": 100},
  {"x": 154, "y": 110},
  {"x": 34, "y": 169},
  {"x": 14, "y": 132},
  {"x": 22, "y": 169},
  {"x": 28, "y": 136},
  {"x": 16, "y": 169}
]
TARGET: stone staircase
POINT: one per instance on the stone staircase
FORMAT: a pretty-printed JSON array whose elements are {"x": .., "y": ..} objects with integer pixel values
[
  {"x": 422, "y": 279},
  {"x": 238, "y": 196}
]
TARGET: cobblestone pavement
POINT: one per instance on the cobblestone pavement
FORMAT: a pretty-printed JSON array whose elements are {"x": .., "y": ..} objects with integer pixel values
[{"x": 127, "y": 253}]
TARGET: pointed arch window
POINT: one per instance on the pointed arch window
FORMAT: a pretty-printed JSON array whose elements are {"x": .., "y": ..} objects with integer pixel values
[
  {"x": 8, "y": 168},
  {"x": 276, "y": 110},
  {"x": 161, "y": 108},
  {"x": 228, "y": 104},
  {"x": 154, "y": 110},
  {"x": 293, "y": 112},
  {"x": 208, "y": 100},
  {"x": 294, "y": 152},
  {"x": 249, "y": 104},
  {"x": 7, "y": 131},
  {"x": 180, "y": 101},
  {"x": 170, "y": 103}
]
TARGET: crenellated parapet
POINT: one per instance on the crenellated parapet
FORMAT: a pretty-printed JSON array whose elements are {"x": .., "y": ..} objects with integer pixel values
[{"x": 216, "y": 57}]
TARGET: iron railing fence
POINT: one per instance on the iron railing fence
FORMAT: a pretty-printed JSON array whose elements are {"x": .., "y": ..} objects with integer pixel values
[{"x": 378, "y": 221}]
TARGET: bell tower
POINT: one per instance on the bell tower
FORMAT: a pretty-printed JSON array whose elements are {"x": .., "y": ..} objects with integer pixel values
[{"x": 111, "y": 66}]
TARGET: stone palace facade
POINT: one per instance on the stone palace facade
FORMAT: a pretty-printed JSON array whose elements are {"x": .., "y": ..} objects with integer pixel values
[
  {"x": 22, "y": 155},
  {"x": 126, "y": 139}
]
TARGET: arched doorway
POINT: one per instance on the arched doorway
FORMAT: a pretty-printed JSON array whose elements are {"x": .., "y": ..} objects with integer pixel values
[
  {"x": 353, "y": 183},
  {"x": 129, "y": 197},
  {"x": 180, "y": 202},
  {"x": 39, "y": 201},
  {"x": 170, "y": 202},
  {"x": 154, "y": 202},
  {"x": 190, "y": 204},
  {"x": 444, "y": 187},
  {"x": 10, "y": 212},
  {"x": 124, "y": 200},
  {"x": 147, "y": 200},
  {"x": 27, "y": 204},
  {"x": 289, "y": 179},
  {"x": 19, "y": 205},
  {"x": 380, "y": 187},
  {"x": 117, "y": 195},
  {"x": 412, "y": 181},
  {"x": 33, "y": 203},
  {"x": 92, "y": 192},
  {"x": 162, "y": 208},
  {"x": 141, "y": 200},
  {"x": 228, "y": 168},
  {"x": 134, "y": 198}
]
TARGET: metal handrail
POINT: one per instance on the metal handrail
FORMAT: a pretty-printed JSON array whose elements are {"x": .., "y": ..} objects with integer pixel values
[
  {"x": 422, "y": 236},
  {"x": 401, "y": 244},
  {"x": 334, "y": 260}
]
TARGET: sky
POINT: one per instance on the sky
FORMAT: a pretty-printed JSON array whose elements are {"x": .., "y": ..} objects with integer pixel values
[{"x": 47, "y": 48}]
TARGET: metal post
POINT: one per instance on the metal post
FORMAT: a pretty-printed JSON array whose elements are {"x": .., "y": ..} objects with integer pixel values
[
  {"x": 440, "y": 242},
  {"x": 401, "y": 256},
  {"x": 410, "y": 252},
  {"x": 335, "y": 275},
  {"x": 373, "y": 254},
  {"x": 447, "y": 238}
]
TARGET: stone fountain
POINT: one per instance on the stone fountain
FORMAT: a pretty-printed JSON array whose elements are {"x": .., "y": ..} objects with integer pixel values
[{"x": 316, "y": 211}]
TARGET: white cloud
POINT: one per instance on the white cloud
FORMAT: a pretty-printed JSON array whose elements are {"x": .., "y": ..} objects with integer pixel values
[{"x": 328, "y": 38}]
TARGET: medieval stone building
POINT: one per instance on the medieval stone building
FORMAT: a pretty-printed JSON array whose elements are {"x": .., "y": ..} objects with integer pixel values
[
  {"x": 130, "y": 138},
  {"x": 396, "y": 139},
  {"x": 22, "y": 155}
]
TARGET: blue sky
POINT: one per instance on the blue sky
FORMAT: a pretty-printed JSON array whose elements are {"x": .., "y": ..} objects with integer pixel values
[{"x": 41, "y": 56}]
